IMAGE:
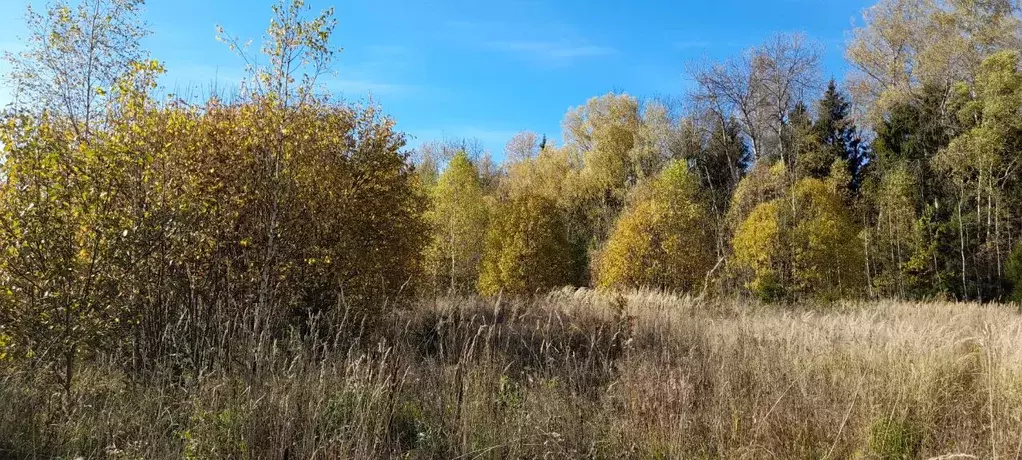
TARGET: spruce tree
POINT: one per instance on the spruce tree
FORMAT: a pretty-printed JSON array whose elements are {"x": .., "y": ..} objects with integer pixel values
[{"x": 839, "y": 137}]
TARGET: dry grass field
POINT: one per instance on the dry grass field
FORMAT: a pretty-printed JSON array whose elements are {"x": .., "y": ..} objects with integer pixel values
[{"x": 569, "y": 375}]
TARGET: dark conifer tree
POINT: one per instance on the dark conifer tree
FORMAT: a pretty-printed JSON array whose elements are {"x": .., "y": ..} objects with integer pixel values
[{"x": 838, "y": 135}]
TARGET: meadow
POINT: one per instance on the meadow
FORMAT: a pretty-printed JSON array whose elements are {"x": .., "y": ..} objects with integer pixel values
[
  {"x": 571, "y": 374},
  {"x": 279, "y": 271}
]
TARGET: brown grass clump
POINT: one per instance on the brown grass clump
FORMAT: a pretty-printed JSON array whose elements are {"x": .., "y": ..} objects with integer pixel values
[{"x": 568, "y": 375}]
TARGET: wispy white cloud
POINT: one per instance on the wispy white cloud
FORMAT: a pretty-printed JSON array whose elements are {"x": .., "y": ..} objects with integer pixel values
[
  {"x": 545, "y": 43},
  {"x": 369, "y": 86},
  {"x": 552, "y": 51}
]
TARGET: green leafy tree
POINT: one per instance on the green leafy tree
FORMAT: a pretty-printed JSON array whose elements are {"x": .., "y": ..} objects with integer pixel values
[
  {"x": 980, "y": 163},
  {"x": 907, "y": 205}
]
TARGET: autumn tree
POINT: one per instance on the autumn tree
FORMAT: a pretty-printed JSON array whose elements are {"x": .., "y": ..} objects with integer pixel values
[
  {"x": 906, "y": 45},
  {"x": 76, "y": 54},
  {"x": 659, "y": 139},
  {"x": 761, "y": 247},
  {"x": 59, "y": 238},
  {"x": 802, "y": 244},
  {"x": 433, "y": 156},
  {"x": 264, "y": 207},
  {"x": 760, "y": 88},
  {"x": 662, "y": 239},
  {"x": 764, "y": 182},
  {"x": 806, "y": 156},
  {"x": 604, "y": 132},
  {"x": 458, "y": 216},
  {"x": 554, "y": 174},
  {"x": 64, "y": 226},
  {"x": 827, "y": 250},
  {"x": 308, "y": 186},
  {"x": 524, "y": 145},
  {"x": 612, "y": 143},
  {"x": 526, "y": 249}
]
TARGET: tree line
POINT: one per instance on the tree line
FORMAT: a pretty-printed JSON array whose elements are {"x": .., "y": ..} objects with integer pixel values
[
  {"x": 902, "y": 181},
  {"x": 124, "y": 211}
]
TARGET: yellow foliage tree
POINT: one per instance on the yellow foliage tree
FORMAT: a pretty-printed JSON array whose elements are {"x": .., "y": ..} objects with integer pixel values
[
  {"x": 662, "y": 240},
  {"x": 827, "y": 249},
  {"x": 805, "y": 243},
  {"x": 526, "y": 249},
  {"x": 759, "y": 248},
  {"x": 281, "y": 203},
  {"x": 550, "y": 174},
  {"x": 458, "y": 218},
  {"x": 765, "y": 182}
]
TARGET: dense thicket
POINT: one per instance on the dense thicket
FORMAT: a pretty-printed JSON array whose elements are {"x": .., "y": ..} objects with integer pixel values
[{"x": 278, "y": 202}]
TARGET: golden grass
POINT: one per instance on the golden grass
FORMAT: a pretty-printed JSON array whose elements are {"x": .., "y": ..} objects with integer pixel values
[{"x": 572, "y": 374}]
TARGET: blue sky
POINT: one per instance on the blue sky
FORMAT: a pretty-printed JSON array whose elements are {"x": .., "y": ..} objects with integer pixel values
[{"x": 487, "y": 69}]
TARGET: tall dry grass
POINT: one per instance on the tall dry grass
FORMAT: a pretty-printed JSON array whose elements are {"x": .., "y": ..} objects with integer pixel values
[{"x": 573, "y": 374}]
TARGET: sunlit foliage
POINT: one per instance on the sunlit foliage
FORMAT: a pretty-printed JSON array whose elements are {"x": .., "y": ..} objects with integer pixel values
[
  {"x": 662, "y": 240},
  {"x": 526, "y": 249}
]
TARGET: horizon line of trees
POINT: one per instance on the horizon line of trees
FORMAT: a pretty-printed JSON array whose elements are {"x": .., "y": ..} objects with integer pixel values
[
  {"x": 123, "y": 214},
  {"x": 902, "y": 182}
]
